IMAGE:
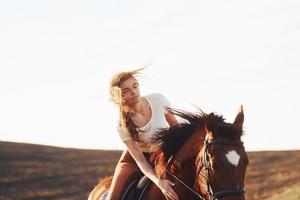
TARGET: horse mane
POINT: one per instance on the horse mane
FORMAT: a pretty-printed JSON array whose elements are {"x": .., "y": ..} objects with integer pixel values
[
  {"x": 172, "y": 138},
  {"x": 221, "y": 129}
]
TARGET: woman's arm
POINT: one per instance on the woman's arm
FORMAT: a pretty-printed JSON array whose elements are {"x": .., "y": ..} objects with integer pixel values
[
  {"x": 146, "y": 168},
  {"x": 140, "y": 159}
]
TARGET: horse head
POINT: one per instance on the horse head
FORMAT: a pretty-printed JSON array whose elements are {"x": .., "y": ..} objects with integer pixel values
[
  {"x": 204, "y": 156},
  {"x": 222, "y": 162}
]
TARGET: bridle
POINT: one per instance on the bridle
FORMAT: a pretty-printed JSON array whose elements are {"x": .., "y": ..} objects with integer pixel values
[{"x": 237, "y": 191}]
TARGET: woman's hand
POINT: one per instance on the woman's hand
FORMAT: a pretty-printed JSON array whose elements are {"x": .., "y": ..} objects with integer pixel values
[
  {"x": 163, "y": 184},
  {"x": 166, "y": 187}
]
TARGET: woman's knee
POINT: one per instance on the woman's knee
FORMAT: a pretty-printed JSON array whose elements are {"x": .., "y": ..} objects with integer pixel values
[{"x": 125, "y": 170}]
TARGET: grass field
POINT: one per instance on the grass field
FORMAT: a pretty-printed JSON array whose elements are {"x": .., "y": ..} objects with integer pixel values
[{"x": 37, "y": 172}]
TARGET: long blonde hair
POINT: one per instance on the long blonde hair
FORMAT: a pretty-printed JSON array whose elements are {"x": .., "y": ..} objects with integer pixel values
[{"x": 125, "y": 121}]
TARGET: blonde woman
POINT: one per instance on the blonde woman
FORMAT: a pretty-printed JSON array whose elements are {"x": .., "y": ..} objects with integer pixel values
[{"x": 139, "y": 118}]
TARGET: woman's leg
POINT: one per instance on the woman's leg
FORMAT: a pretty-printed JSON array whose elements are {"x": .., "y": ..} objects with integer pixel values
[{"x": 125, "y": 171}]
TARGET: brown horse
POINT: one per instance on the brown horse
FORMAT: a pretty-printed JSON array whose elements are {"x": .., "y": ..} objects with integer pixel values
[{"x": 204, "y": 156}]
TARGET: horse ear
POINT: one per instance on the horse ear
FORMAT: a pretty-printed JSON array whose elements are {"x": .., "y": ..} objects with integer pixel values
[
  {"x": 239, "y": 119},
  {"x": 209, "y": 122}
]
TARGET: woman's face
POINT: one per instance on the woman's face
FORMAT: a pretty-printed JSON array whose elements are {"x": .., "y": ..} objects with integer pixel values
[{"x": 130, "y": 91}]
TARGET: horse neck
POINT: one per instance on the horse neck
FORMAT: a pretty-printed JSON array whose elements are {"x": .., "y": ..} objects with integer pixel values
[
  {"x": 192, "y": 146},
  {"x": 185, "y": 158}
]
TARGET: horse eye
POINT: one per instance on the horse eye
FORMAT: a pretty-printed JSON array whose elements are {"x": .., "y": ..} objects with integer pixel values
[{"x": 217, "y": 165}]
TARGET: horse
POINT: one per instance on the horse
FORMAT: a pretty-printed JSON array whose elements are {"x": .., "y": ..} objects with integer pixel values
[{"x": 203, "y": 155}]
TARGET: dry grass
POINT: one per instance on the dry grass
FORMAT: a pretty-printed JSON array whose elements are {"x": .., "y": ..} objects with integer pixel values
[
  {"x": 36, "y": 172},
  {"x": 272, "y": 173},
  {"x": 289, "y": 193}
]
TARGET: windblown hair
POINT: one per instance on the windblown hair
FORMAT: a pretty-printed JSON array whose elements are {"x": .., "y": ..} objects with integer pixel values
[{"x": 125, "y": 122}]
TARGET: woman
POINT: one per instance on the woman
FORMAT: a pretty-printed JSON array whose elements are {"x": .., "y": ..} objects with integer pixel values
[{"x": 140, "y": 116}]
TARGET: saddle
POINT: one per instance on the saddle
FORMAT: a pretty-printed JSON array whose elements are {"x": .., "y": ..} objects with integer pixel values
[{"x": 136, "y": 189}]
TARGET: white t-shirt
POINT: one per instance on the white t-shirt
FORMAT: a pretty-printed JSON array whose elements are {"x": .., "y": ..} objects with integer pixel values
[{"x": 157, "y": 104}]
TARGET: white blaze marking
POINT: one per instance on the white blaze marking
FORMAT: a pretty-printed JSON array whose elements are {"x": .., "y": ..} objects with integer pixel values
[{"x": 233, "y": 157}]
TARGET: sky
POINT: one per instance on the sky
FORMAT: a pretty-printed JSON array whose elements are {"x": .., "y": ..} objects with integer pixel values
[{"x": 57, "y": 57}]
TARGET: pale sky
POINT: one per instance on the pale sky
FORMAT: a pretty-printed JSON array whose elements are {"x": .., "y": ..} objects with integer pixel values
[{"x": 57, "y": 57}]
